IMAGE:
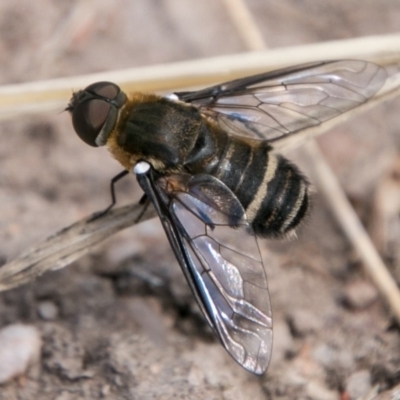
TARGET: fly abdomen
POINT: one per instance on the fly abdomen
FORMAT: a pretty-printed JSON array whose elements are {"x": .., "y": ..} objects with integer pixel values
[
  {"x": 282, "y": 200},
  {"x": 273, "y": 191}
]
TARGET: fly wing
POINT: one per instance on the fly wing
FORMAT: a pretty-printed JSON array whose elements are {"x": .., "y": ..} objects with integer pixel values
[
  {"x": 219, "y": 255},
  {"x": 276, "y": 104}
]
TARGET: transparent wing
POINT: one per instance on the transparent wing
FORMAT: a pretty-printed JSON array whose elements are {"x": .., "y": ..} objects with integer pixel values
[
  {"x": 219, "y": 255},
  {"x": 277, "y": 104}
]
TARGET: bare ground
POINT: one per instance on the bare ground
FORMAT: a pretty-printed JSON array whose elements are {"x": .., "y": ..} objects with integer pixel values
[{"x": 123, "y": 323}]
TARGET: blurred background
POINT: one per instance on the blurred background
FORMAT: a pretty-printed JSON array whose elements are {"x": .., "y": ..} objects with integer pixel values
[{"x": 125, "y": 324}]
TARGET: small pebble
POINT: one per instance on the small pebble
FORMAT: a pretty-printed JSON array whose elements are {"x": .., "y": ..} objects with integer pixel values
[
  {"x": 358, "y": 384},
  {"x": 360, "y": 294},
  {"x": 330, "y": 357},
  {"x": 105, "y": 390},
  {"x": 20, "y": 345},
  {"x": 316, "y": 391},
  {"x": 47, "y": 310},
  {"x": 303, "y": 322}
]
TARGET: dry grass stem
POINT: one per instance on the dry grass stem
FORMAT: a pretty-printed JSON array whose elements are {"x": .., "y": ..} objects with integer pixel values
[
  {"x": 244, "y": 22},
  {"x": 329, "y": 186},
  {"x": 69, "y": 244},
  {"x": 52, "y": 95}
]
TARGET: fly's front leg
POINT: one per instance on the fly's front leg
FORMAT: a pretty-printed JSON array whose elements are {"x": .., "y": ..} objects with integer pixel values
[{"x": 113, "y": 196}]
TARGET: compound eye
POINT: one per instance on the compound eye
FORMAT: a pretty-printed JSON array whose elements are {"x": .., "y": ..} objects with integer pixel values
[
  {"x": 89, "y": 118},
  {"x": 108, "y": 90}
]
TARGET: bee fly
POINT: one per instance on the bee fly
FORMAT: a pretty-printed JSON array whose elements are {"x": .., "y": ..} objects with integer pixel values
[{"x": 205, "y": 160}]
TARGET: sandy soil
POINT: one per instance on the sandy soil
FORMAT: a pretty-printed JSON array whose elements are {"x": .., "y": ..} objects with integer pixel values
[{"x": 122, "y": 322}]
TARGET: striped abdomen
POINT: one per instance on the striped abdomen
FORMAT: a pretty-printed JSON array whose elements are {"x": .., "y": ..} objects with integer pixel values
[{"x": 271, "y": 189}]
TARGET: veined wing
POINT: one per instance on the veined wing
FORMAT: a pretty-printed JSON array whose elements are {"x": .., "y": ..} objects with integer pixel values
[
  {"x": 219, "y": 255},
  {"x": 276, "y": 104}
]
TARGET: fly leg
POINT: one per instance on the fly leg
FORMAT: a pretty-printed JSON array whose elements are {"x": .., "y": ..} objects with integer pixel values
[{"x": 113, "y": 196}]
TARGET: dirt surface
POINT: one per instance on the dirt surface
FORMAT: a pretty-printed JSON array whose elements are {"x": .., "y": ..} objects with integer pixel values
[{"x": 121, "y": 323}]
